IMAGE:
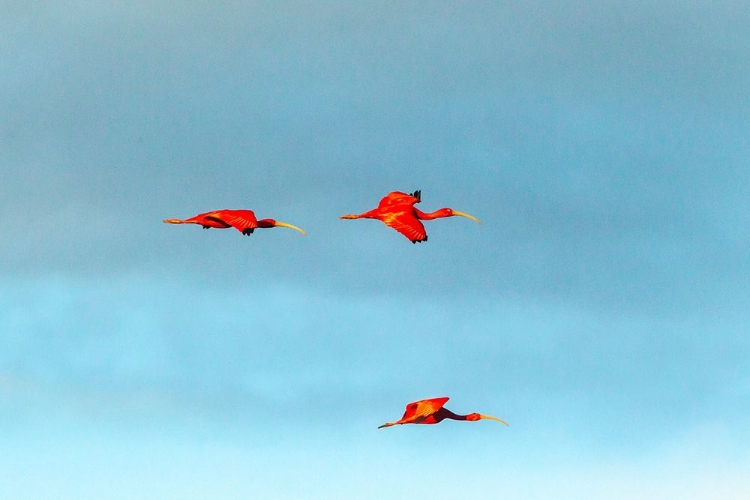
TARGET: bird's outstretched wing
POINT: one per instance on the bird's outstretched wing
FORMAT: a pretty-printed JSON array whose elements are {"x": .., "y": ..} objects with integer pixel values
[
  {"x": 241, "y": 220},
  {"x": 419, "y": 410},
  {"x": 408, "y": 225},
  {"x": 398, "y": 198},
  {"x": 206, "y": 219}
]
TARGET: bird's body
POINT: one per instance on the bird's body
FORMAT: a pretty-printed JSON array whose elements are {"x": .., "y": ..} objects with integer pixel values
[
  {"x": 243, "y": 221},
  {"x": 432, "y": 411},
  {"x": 397, "y": 210}
]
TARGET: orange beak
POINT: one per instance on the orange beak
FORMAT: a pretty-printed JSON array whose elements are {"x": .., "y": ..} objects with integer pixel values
[
  {"x": 284, "y": 224},
  {"x": 469, "y": 216},
  {"x": 487, "y": 417}
]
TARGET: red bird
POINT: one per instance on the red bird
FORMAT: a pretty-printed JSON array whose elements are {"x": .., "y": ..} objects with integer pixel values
[
  {"x": 243, "y": 221},
  {"x": 397, "y": 210},
  {"x": 431, "y": 411}
]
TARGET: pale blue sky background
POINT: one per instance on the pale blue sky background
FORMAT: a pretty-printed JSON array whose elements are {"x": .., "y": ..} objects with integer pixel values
[{"x": 602, "y": 307}]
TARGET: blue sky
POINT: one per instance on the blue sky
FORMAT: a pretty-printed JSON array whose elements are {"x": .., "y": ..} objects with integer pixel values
[{"x": 601, "y": 307}]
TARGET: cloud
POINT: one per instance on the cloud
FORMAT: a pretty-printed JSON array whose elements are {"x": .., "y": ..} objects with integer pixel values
[{"x": 597, "y": 144}]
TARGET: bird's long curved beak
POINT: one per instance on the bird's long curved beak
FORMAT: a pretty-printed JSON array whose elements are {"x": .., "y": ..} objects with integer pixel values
[
  {"x": 388, "y": 424},
  {"x": 494, "y": 418},
  {"x": 172, "y": 221},
  {"x": 463, "y": 214},
  {"x": 284, "y": 224}
]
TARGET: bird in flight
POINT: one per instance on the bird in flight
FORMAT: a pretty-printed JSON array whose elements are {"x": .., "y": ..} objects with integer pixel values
[
  {"x": 243, "y": 221},
  {"x": 431, "y": 411},
  {"x": 397, "y": 210}
]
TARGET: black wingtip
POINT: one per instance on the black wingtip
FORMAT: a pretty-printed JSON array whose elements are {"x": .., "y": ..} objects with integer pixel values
[{"x": 417, "y": 194}]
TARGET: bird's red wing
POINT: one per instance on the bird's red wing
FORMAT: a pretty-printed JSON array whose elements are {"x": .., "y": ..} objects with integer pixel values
[
  {"x": 205, "y": 220},
  {"x": 424, "y": 408},
  {"x": 406, "y": 224},
  {"x": 197, "y": 219},
  {"x": 238, "y": 219},
  {"x": 397, "y": 198}
]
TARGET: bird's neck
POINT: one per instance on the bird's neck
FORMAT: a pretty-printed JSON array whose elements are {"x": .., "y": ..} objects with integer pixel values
[
  {"x": 444, "y": 413},
  {"x": 437, "y": 214}
]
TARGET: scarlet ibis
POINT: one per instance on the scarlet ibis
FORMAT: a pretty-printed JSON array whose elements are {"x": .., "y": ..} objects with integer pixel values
[
  {"x": 243, "y": 221},
  {"x": 397, "y": 210},
  {"x": 431, "y": 411}
]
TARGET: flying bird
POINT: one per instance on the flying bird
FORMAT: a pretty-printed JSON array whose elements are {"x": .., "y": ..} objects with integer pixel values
[
  {"x": 243, "y": 221},
  {"x": 397, "y": 210},
  {"x": 431, "y": 411}
]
